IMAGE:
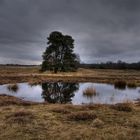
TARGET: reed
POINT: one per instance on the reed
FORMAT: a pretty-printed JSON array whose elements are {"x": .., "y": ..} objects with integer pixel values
[
  {"x": 120, "y": 85},
  {"x": 13, "y": 87},
  {"x": 131, "y": 85},
  {"x": 89, "y": 92}
]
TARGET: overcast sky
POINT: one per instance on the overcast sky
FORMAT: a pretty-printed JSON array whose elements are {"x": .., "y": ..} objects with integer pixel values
[{"x": 103, "y": 30}]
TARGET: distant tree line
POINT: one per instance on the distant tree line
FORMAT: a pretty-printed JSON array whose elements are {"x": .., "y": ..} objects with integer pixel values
[
  {"x": 18, "y": 65},
  {"x": 112, "y": 65},
  {"x": 108, "y": 65}
]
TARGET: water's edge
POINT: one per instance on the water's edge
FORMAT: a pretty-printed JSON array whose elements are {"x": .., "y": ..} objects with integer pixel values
[{"x": 61, "y": 92}]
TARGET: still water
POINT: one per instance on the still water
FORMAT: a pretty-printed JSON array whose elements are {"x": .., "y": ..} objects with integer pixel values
[{"x": 72, "y": 93}]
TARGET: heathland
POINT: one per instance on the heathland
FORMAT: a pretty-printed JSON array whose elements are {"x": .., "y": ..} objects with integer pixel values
[
  {"x": 15, "y": 74},
  {"x": 22, "y": 120}
]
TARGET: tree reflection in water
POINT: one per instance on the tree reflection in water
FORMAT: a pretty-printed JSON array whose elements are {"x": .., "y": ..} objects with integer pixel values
[{"x": 59, "y": 92}]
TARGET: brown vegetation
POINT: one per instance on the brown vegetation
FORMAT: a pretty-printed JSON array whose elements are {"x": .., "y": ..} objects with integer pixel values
[
  {"x": 20, "y": 117},
  {"x": 81, "y": 116},
  {"x": 89, "y": 92},
  {"x": 131, "y": 85},
  {"x": 32, "y": 75},
  {"x": 61, "y": 122},
  {"x": 13, "y": 87},
  {"x": 97, "y": 123},
  {"x": 6, "y": 100},
  {"x": 60, "y": 110},
  {"x": 46, "y": 121},
  {"x": 122, "y": 107},
  {"x": 120, "y": 84}
]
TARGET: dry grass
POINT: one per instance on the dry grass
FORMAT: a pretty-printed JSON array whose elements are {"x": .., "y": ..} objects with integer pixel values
[
  {"x": 60, "y": 110},
  {"x": 45, "y": 122},
  {"x": 120, "y": 84},
  {"x": 32, "y": 75},
  {"x": 127, "y": 107},
  {"x": 6, "y": 100},
  {"x": 97, "y": 123},
  {"x": 81, "y": 116},
  {"x": 20, "y": 117},
  {"x": 131, "y": 85},
  {"x": 61, "y": 122},
  {"x": 89, "y": 92}
]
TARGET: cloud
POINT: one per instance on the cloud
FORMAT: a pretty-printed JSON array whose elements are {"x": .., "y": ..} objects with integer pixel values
[{"x": 103, "y": 29}]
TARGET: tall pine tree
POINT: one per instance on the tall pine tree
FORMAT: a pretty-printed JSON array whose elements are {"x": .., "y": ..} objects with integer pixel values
[{"x": 59, "y": 55}]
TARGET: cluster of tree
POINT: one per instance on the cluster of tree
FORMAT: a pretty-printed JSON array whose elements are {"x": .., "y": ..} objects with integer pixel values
[
  {"x": 112, "y": 65},
  {"x": 59, "y": 55}
]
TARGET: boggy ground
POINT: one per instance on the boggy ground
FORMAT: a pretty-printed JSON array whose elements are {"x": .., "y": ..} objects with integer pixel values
[
  {"x": 32, "y": 75},
  {"x": 20, "y": 120}
]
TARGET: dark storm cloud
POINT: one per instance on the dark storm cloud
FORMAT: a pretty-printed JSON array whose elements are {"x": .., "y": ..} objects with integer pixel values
[{"x": 103, "y": 29}]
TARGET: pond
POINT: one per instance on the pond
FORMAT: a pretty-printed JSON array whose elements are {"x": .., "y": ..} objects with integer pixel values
[{"x": 75, "y": 93}]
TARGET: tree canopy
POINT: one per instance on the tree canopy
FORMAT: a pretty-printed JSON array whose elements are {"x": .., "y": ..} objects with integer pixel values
[{"x": 59, "y": 55}]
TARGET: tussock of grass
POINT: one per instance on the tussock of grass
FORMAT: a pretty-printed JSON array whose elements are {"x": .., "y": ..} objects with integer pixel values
[
  {"x": 126, "y": 107},
  {"x": 20, "y": 117},
  {"x": 81, "y": 116},
  {"x": 131, "y": 85},
  {"x": 35, "y": 83},
  {"x": 97, "y": 123},
  {"x": 89, "y": 92},
  {"x": 120, "y": 84},
  {"x": 93, "y": 106},
  {"x": 40, "y": 122},
  {"x": 60, "y": 110},
  {"x": 13, "y": 87}
]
